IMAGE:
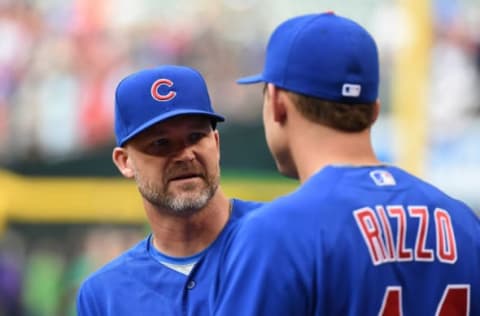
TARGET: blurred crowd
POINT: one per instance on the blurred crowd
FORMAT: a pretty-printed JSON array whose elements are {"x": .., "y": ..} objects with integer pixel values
[
  {"x": 453, "y": 113},
  {"x": 61, "y": 60}
]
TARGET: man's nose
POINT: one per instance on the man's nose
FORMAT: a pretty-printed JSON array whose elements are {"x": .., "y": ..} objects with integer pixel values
[{"x": 184, "y": 153}]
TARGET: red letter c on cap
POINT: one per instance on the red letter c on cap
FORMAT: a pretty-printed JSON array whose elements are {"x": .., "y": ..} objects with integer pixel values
[{"x": 162, "y": 97}]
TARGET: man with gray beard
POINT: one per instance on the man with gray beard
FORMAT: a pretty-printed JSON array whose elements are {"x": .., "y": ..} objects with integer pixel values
[{"x": 167, "y": 142}]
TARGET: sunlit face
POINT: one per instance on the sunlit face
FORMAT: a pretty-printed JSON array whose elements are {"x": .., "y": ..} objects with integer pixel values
[{"x": 176, "y": 163}]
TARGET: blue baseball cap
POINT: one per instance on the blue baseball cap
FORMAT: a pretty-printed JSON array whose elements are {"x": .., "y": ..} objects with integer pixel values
[
  {"x": 324, "y": 56},
  {"x": 150, "y": 96}
]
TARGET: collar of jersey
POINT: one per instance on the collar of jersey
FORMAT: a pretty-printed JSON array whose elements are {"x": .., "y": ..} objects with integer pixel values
[{"x": 161, "y": 257}]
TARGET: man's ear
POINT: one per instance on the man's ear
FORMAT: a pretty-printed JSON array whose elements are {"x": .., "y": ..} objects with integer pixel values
[
  {"x": 277, "y": 99},
  {"x": 216, "y": 134},
  {"x": 120, "y": 159},
  {"x": 376, "y": 111}
]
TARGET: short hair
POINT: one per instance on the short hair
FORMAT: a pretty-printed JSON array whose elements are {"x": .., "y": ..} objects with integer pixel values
[{"x": 340, "y": 116}]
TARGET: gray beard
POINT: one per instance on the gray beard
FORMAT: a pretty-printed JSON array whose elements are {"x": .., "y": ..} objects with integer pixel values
[{"x": 184, "y": 204}]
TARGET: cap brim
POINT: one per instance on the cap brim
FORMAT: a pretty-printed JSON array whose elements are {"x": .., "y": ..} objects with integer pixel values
[
  {"x": 169, "y": 115},
  {"x": 251, "y": 79}
]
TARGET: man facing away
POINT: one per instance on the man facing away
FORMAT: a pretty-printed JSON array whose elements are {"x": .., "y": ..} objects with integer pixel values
[
  {"x": 167, "y": 142},
  {"x": 358, "y": 237}
]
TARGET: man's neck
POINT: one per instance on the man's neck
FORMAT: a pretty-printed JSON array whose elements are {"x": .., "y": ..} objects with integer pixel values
[
  {"x": 179, "y": 236},
  {"x": 312, "y": 152}
]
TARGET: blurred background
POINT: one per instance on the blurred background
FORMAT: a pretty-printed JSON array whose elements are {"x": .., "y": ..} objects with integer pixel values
[{"x": 65, "y": 210}]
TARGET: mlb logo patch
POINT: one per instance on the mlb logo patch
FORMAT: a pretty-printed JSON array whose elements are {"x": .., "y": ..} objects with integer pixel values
[
  {"x": 351, "y": 90},
  {"x": 382, "y": 178}
]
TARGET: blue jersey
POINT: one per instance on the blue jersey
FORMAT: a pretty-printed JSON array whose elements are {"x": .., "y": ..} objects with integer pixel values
[
  {"x": 354, "y": 241},
  {"x": 136, "y": 283}
]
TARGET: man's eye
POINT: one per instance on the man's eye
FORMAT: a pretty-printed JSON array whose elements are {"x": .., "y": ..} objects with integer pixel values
[
  {"x": 160, "y": 142},
  {"x": 195, "y": 137},
  {"x": 159, "y": 146}
]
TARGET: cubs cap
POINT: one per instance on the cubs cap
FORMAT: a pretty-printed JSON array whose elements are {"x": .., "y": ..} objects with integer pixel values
[
  {"x": 150, "y": 96},
  {"x": 324, "y": 56}
]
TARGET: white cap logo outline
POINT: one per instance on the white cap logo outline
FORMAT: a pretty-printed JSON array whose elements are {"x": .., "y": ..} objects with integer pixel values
[{"x": 162, "y": 97}]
